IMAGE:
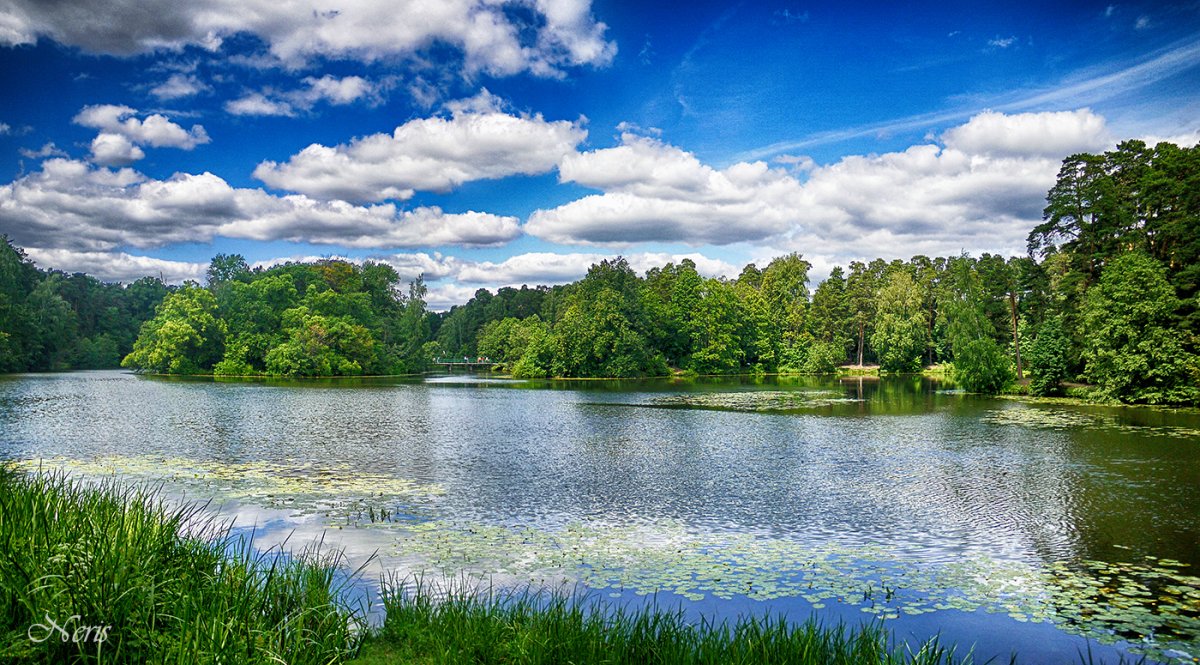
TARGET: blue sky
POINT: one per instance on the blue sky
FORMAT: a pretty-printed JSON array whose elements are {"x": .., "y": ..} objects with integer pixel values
[{"x": 484, "y": 143}]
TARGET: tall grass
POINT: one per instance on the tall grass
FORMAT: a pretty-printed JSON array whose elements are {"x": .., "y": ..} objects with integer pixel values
[
  {"x": 172, "y": 585},
  {"x": 468, "y": 626}
]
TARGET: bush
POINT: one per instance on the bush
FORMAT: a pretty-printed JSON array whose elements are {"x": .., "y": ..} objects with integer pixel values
[{"x": 981, "y": 366}]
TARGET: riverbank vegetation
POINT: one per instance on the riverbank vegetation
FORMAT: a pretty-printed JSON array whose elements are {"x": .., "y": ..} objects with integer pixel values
[
  {"x": 1107, "y": 296},
  {"x": 128, "y": 579},
  {"x": 112, "y": 574},
  {"x": 525, "y": 627}
]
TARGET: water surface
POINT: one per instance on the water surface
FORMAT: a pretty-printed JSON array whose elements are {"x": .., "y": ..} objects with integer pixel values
[{"x": 1017, "y": 527}]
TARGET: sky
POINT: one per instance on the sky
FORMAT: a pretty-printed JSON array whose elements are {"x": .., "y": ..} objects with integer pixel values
[{"x": 484, "y": 143}]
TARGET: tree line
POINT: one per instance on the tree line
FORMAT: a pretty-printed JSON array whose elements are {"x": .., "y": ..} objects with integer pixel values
[
  {"x": 1106, "y": 297},
  {"x": 50, "y": 320}
]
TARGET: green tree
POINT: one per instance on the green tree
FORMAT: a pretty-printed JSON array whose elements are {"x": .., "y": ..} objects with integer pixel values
[
  {"x": 716, "y": 326},
  {"x": 226, "y": 268},
  {"x": 594, "y": 337},
  {"x": 830, "y": 321},
  {"x": 899, "y": 335},
  {"x": 184, "y": 337},
  {"x": 785, "y": 290},
  {"x": 862, "y": 287},
  {"x": 1048, "y": 358},
  {"x": 1133, "y": 351},
  {"x": 319, "y": 345},
  {"x": 980, "y": 363}
]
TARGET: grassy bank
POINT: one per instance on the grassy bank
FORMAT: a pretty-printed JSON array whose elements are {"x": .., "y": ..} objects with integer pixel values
[
  {"x": 525, "y": 627},
  {"x": 111, "y": 574}
]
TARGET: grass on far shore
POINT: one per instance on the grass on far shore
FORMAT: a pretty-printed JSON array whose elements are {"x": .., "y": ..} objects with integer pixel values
[{"x": 172, "y": 586}]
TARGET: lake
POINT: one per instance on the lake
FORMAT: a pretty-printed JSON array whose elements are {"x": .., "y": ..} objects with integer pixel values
[{"x": 1003, "y": 525}]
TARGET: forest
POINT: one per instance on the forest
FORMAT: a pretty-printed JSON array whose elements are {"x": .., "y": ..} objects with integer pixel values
[{"x": 1105, "y": 301}]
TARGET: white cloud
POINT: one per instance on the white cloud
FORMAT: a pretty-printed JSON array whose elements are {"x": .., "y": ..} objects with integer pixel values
[
  {"x": 983, "y": 189},
  {"x": 442, "y": 297},
  {"x": 1002, "y": 42},
  {"x": 114, "y": 150},
  {"x": 5, "y": 129},
  {"x": 116, "y": 266},
  {"x": 328, "y": 89},
  {"x": 256, "y": 103},
  {"x": 658, "y": 192},
  {"x": 72, "y": 205},
  {"x": 179, "y": 85},
  {"x": 1056, "y": 134},
  {"x": 478, "y": 141},
  {"x": 491, "y": 38},
  {"x": 47, "y": 150},
  {"x": 121, "y": 133},
  {"x": 1142, "y": 23}
]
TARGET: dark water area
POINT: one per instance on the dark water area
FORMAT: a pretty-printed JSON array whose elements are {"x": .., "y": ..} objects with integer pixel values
[{"x": 1017, "y": 527}]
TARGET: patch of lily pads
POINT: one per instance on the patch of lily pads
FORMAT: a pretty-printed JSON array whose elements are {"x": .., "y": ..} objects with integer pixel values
[
  {"x": 759, "y": 401},
  {"x": 334, "y": 491},
  {"x": 1151, "y": 604},
  {"x": 1040, "y": 418}
]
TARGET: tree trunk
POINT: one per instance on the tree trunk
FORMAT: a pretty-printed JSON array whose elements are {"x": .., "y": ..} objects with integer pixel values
[
  {"x": 861, "y": 327},
  {"x": 1012, "y": 307},
  {"x": 929, "y": 340}
]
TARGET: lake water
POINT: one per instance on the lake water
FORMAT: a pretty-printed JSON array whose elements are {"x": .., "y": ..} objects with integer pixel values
[{"x": 1013, "y": 527}]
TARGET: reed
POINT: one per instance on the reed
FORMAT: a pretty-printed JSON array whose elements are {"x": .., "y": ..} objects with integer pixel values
[
  {"x": 465, "y": 625},
  {"x": 170, "y": 583}
]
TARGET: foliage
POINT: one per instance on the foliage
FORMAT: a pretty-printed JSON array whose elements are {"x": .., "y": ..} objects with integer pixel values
[
  {"x": 1048, "y": 359},
  {"x": 1134, "y": 351},
  {"x": 716, "y": 324},
  {"x": 319, "y": 345},
  {"x": 184, "y": 337},
  {"x": 980, "y": 364},
  {"x": 506, "y": 341},
  {"x": 53, "y": 321},
  {"x": 899, "y": 335},
  {"x": 823, "y": 358}
]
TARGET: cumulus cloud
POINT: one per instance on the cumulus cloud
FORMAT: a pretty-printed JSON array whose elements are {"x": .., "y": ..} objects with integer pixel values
[
  {"x": 658, "y": 192},
  {"x": 329, "y": 89},
  {"x": 122, "y": 132},
  {"x": 179, "y": 85},
  {"x": 983, "y": 188},
  {"x": 1054, "y": 134},
  {"x": 497, "y": 37},
  {"x": 73, "y": 205},
  {"x": 981, "y": 191},
  {"x": 114, "y": 150},
  {"x": 117, "y": 266},
  {"x": 477, "y": 141},
  {"x": 155, "y": 130}
]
